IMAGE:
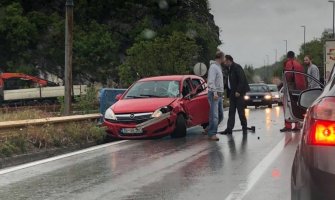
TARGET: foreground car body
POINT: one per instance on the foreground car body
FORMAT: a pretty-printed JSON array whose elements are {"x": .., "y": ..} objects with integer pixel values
[
  {"x": 259, "y": 95},
  {"x": 159, "y": 106},
  {"x": 313, "y": 170}
]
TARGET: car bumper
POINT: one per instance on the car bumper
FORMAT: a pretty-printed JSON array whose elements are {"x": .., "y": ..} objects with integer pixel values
[
  {"x": 313, "y": 173},
  {"x": 150, "y": 129},
  {"x": 261, "y": 102},
  {"x": 276, "y": 100}
]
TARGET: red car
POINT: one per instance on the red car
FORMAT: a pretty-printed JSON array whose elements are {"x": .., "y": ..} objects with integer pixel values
[{"x": 159, "y": 106}]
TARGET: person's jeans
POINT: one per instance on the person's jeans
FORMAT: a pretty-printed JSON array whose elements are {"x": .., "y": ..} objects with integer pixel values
[{"x": 215, "y": 113}]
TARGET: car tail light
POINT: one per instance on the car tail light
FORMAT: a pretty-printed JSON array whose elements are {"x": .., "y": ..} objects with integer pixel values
[{"x": 320, "y": 123}]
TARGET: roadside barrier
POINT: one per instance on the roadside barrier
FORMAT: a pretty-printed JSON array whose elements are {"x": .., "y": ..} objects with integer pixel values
[{"x": 51, "y": 120}]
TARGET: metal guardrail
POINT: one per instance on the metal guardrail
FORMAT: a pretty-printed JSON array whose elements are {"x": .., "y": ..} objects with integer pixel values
[{"x": 51, "y": 120}]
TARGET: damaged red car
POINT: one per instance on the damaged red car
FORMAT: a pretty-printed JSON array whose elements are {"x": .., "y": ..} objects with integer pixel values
[{"x": 159, "y": 106}]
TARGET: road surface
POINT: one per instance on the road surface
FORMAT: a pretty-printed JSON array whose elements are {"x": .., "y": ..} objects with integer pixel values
[{"x": 252, "y": 167}]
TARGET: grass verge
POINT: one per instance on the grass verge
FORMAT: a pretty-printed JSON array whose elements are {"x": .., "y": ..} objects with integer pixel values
[{"x": 37, "y": 138}]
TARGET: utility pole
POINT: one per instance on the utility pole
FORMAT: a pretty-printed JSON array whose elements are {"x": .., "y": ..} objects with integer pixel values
[
  {"x": 304, "y": 49},
  {"x": 286, "y": 46},
  {"x": 276, "y": 55},
  {"x": 332, "y": 1},
  {"x": 68, "y": 57}
]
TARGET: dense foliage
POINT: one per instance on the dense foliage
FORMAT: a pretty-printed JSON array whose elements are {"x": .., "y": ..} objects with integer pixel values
[{"x": 169, "y": 35}]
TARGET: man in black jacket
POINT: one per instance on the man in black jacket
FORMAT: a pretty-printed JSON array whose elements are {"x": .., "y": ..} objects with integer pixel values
[{"x": 237, "y": 87}]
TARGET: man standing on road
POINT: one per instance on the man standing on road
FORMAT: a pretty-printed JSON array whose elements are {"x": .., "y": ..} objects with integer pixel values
[
  {"x": 295, "y": 82},
  {"x": 215, "y": 94},
  {"x": 313, "y": 71},
  {"x": 237, "y": 87}
]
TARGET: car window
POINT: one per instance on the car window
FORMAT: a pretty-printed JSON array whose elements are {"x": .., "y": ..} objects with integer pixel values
[
  {"x": 196, "y": 83},
  {"x": 154, "y": 89},
  {"x": 187, "y": 88},
  {"x": 259, "y": 88},
  {"x": 273, "y": 88}
]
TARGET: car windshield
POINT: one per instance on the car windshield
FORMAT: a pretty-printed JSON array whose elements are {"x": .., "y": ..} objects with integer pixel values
[
  {"x": 259, "y": 88},
  {"x": 273, "y": 88},
  {"x": 160, "y": 89}
]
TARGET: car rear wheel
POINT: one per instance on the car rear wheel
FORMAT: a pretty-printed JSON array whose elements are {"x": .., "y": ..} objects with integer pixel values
[{"x": 180, "y": 129}]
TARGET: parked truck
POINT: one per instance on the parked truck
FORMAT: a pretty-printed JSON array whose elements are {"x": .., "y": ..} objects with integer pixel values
[{"x": 23, "y": 89}]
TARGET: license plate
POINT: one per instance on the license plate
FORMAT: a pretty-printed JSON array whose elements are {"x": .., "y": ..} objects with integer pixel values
[
  {"x": 131, "y": 131},
  {"x": 257, "y": 100}
]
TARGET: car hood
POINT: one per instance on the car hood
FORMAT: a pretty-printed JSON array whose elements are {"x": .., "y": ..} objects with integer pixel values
[
  {"x": 140, "y": 105},
  {"x": 258, "y": 93}
]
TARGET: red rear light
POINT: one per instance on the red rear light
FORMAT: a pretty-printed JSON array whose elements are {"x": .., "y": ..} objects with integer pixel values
[{"x": 320, "y": 123}]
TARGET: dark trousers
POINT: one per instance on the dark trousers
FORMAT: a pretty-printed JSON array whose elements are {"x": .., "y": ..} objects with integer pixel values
[{"x": 236, "y": 103}]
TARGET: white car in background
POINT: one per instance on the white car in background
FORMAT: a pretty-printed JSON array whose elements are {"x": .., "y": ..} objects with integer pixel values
[{"x": 276, "y": 98}]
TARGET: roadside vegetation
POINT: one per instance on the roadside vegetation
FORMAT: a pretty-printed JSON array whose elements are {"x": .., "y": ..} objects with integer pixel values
[{"x": 38, "y": 138}]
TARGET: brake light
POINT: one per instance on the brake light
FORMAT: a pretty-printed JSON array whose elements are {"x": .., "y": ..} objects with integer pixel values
[
  {"x": 323, "y": 133},
  {"x": 320, "y": 123}
]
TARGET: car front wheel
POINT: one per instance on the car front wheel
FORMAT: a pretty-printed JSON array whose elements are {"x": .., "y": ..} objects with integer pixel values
[{"x": 180, "y": 129}]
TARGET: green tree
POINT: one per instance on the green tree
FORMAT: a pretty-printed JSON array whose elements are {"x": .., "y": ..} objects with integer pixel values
[
  {"x": 95, "y": 52},
  {"x": 18, "y": 35},
  {"x": 249, "y": 73},
  {"x": 161, "y": 56}
]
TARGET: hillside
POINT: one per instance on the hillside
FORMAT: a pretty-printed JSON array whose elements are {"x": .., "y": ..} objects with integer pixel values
[{"x": 107, "y": 35}]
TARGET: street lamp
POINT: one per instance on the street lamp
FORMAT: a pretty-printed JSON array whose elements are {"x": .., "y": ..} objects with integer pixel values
[
  {"x": 286, "y": 45},
  {"x": 333, "y": 2},
  {"x": 304, "y": 48},
  {"x": 68, "y": 56}
]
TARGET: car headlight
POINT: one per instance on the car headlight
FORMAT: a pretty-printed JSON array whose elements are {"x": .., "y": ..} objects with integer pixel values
[
  {"x": 276, "y": 96},
  {"x": 246, "y": 97},
  {"x": 159, "y": 112},
  {"x": 267, "y": 97},
  {"x": 109, "y": 114}
]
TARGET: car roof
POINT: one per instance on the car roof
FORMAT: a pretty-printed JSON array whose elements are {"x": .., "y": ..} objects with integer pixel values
[{"x": 169, "y": 78}]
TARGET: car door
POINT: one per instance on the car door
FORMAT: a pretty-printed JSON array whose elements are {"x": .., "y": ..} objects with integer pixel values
[
  {"x": 291, "y": 93},
  {"x": 191, "y": 103},
  {"x": 201, "y": 99}
]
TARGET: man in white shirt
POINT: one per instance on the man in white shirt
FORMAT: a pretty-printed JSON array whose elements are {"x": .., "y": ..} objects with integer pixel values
[
  {"x": 313, "y": 71},
  {"x": 215, "y": 95}
]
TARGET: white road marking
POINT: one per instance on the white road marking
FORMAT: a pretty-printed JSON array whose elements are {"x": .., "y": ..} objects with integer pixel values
[
  {"x": 245, "y": 186},
  {"x": 20, "y": 167}
]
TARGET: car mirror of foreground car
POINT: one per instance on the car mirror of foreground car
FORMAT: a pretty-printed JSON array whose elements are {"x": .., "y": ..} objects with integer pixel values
[{"x": 307, "y": 97}]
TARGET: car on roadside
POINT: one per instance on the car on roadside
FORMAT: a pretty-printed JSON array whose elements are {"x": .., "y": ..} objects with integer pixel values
[
  {"x": 259, "y": 95},
  {"x": 313, "y": 169},
  {"x": 275, "y": 94},
  {"x": 159, "y": 106}
]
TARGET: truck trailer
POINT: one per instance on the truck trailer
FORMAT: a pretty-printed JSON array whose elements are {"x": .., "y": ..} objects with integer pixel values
[{"x": 22, "y": 89}]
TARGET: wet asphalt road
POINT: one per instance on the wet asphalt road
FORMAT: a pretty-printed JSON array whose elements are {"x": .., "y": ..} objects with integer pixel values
[{"x": 253, "y": 167}]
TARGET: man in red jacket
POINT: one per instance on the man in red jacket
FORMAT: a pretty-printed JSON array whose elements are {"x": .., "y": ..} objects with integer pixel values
[{"x": 295, "y": 82}]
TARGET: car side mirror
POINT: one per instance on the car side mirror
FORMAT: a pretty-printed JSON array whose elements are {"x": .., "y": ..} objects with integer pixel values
[
  {"x": 118, "y": 97},
  {"x": 307, "y": 97}
]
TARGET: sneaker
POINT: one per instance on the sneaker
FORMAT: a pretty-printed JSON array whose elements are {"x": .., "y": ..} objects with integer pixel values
[
  {"x": 213, "y": 138},
  {"x": 226, "y": 132},
  {"x": 285, "y": 129}
]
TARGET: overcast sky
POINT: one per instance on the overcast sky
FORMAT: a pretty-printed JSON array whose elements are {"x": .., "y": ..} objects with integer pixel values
[{"x": 252, "y": 29}]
